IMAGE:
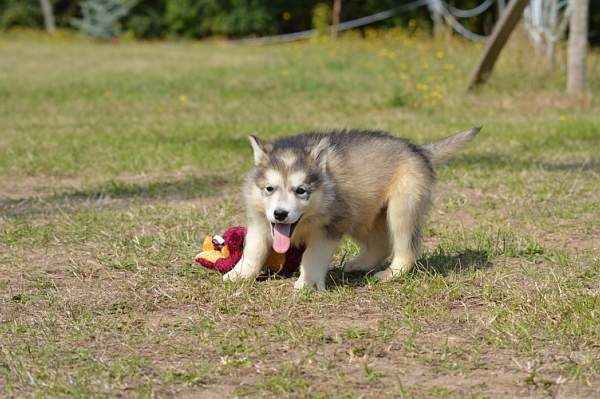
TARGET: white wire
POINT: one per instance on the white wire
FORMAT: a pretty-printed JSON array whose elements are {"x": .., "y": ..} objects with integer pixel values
[
  {"x": 354, "y": 23},
  {"x": 472, "y": 12},
  {"x": 458, "y": 28},
  {"x": 380, "y": 16}
]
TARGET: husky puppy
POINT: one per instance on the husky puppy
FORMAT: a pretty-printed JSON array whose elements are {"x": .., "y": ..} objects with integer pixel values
[{"x": 313, "y": 188}]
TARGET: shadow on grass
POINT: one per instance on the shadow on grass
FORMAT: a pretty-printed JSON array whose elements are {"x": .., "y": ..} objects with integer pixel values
[
  {"x": 493, "y": 161},
  {"x": 189, "y": 187},
  {"x": 444, "y": 264},
  {"x": 436, "y": 263}
]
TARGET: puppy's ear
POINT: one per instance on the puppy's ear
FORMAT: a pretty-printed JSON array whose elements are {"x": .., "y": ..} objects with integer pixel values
[
  {"x": 320, "y": 151},
  {"x": 260, "y": 149}
]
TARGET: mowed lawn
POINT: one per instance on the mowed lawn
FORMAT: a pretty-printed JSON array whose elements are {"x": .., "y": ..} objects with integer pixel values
[{"x": 117, "y": 159}]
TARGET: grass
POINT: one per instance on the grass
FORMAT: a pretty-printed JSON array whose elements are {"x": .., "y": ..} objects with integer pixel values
[{"x": 116, "y": 160}]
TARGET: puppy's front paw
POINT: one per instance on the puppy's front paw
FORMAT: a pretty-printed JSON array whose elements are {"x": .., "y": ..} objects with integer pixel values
[
  {"x": 235, "y": 274},
  {"x": 302, "y": 282},
  {"x": 241, "y": 271},
  {"x": 232, "y": 275}
]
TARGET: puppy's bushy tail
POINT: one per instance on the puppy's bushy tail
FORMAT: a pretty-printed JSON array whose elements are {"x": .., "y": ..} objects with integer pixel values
[{"x": 441, "y": 150}]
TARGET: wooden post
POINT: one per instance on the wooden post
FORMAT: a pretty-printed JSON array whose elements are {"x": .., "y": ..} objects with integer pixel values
[
  {"x": 497, "y": 40},
  {"x": 578, "y": 31},
  {"x": 335, "y": 18},
  {"x": 48, "y": 16}
]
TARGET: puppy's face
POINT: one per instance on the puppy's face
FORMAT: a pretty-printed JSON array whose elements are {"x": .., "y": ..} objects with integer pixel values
[{"x": 287, "y": 187}]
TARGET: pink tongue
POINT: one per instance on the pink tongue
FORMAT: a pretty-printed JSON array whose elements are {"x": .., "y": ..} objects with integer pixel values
[{"x": 281, "y": 237}]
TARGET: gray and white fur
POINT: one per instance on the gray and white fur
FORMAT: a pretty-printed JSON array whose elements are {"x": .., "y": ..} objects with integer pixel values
[{"x": 317, "y": 187}]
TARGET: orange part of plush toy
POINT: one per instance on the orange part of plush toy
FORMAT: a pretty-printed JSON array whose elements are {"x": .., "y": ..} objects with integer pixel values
[{"x": 209, "y": 251}]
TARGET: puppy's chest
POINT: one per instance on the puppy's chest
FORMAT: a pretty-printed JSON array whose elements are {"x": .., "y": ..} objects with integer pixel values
[
  {"x": 300, "y": 237},
  {"x": 306, "y": 232},
  {"x": 331, "y": 230}
]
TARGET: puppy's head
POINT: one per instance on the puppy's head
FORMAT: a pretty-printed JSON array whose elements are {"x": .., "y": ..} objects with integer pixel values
[{"x": 287, "y": 185}]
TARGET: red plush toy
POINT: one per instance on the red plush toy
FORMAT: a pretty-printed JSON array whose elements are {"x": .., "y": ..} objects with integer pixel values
[{"x": 222, "y": 253}]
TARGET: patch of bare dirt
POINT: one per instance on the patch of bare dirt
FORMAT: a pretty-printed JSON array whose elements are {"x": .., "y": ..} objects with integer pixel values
[
  {"x": 67, "y": 203},
  {"x": 23, "y": 187}
]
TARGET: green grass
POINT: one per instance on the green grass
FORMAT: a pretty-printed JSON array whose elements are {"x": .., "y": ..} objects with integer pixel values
[{"x": 116, "y": 160}]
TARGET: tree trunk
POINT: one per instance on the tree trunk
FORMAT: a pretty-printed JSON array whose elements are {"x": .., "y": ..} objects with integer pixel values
[
  {"x": 335, "y": 18},
  {"x": 578, "y": 31},
  {"x": 435, "y": 10},
  {"x": 48, "y": 16},
  {"x": 552, "y": 10}
]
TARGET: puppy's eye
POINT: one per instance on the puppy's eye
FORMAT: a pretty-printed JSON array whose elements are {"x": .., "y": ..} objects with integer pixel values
[
  {"x": 269, "y": 189},
  {"x": 300, "y": 191}
]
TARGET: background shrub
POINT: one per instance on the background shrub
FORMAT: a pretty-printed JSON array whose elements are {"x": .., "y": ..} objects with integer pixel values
[{"x": 236, "y": 18}]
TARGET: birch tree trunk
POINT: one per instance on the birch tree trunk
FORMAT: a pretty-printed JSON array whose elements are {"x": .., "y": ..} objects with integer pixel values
[
  {"x": 550, "y": 39},
  {"x": 48, "y": 16},
  {"x": 435, "y": 10},
  {"x": 577, "y": 53}
]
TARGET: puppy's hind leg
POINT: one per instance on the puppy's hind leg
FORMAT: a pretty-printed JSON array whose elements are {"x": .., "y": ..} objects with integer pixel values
[
  {"x": 375, "y": 247},
  {"x": 407, "y": 207},
  {"x": 315, "y": 261}
]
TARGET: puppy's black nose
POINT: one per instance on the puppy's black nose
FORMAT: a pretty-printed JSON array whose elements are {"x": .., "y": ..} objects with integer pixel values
[{"x": 280, "y": 214}]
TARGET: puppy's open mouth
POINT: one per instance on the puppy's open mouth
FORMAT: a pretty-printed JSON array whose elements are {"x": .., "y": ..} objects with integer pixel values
[{"x": 282, "y": 236}]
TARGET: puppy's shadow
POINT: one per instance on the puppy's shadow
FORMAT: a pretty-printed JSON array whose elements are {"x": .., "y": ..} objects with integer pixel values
[
  {"x": 438, "y": 262},
  {"x": 442, "y": 263}
]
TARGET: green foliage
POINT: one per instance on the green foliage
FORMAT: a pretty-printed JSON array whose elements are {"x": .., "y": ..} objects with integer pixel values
[
  {"x": 249, "y": 17},
  {"x": 146, "y": 20},
  {"x": 101, "y": 17},
  {"x": 24, "y": 13},
  {"x": 191, "y": 19},
  {"x": 184, "y": 17},
  {"x": 321, "y": 19},
  {"x": 231, "y": 18}
]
